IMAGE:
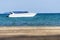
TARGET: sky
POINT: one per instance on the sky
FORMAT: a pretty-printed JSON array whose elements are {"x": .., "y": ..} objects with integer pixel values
[{"x": 38, "y": 6}]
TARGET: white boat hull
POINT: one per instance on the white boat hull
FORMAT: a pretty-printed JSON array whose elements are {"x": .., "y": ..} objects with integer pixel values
[{"x": 23, "y": 15}]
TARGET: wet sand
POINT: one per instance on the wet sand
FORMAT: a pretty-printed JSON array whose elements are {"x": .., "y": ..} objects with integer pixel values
[
  {"x": 51, "y": 37},
  {"x": 30, "y": 33}
]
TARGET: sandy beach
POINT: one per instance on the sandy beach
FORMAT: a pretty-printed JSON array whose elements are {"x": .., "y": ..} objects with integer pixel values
[{"x": 28, "y": 32}]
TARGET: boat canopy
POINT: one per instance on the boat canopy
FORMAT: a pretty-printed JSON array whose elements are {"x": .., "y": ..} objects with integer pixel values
[{"x": 20, "y": 11}]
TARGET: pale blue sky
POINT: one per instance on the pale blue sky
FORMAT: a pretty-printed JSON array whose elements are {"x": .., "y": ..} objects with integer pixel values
[{"x": 43, "y": 6}]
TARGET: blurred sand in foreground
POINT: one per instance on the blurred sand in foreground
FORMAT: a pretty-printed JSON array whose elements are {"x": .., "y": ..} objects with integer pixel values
[{"x": 30, "y": 31}]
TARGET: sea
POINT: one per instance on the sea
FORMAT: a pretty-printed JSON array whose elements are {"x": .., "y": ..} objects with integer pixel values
[{"x": 41, "y": 19}]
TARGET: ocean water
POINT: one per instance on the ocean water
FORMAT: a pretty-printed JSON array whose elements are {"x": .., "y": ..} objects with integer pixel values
[{"x": 41, "y": 19}]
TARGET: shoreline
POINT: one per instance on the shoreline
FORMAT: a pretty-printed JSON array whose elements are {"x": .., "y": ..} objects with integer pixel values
[{"x": 29, "y": 31}]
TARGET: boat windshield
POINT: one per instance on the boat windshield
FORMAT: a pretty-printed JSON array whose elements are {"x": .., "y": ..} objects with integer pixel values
[{"x": 20, "y": 11}]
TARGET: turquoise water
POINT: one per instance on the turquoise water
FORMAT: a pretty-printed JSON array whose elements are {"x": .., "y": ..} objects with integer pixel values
[{"x": 42, "y": 19}]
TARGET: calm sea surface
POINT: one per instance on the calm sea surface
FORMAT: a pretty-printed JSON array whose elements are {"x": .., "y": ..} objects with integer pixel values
[{"x": 42, "y": 19}]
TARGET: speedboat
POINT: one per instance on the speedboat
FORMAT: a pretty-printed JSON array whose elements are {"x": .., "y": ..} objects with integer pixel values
[{"x": 21, "y": 14}]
